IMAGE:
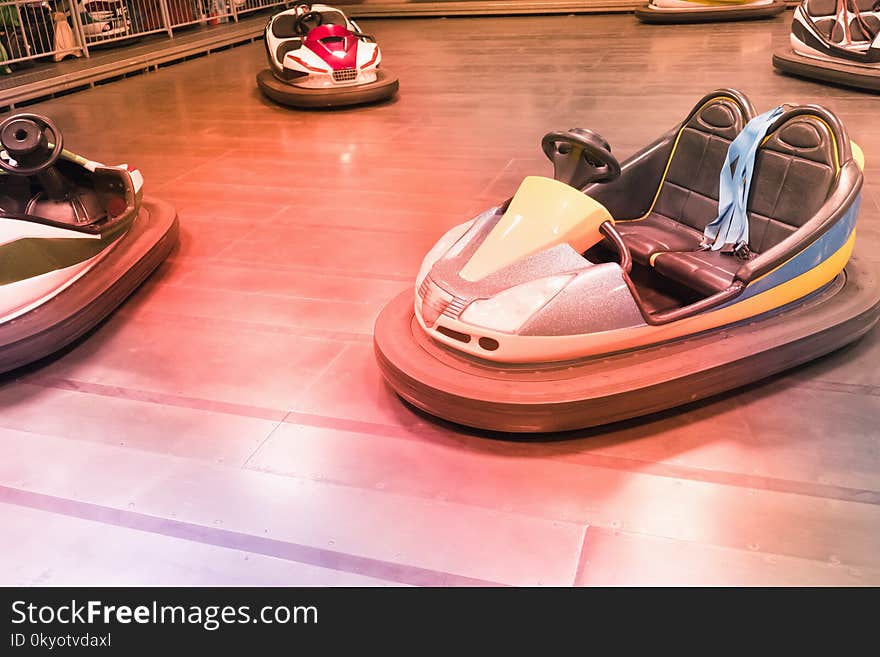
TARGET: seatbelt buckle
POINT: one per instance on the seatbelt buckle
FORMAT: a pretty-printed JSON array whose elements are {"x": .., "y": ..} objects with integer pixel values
[{"x": 742, "y": 251}]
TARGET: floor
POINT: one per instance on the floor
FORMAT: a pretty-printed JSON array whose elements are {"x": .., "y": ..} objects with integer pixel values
[
  {"x": 228, "y": 424},
  {"x": 114, "y": 60},
  {"x": 45, "y": 77}
]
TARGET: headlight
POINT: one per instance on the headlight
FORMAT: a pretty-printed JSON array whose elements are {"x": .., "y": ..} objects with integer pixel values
[
  {"x": 441, "y": 247},
  {"x": 509, "y": 310}
]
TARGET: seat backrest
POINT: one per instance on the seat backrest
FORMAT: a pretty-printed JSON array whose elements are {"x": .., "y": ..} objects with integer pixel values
[
  {"x": 333, "y": 17},
  {"x": 824, "y": 13},
  {"x": 689, "y": 191},
  {"x": 794, "y": 173},
  {"x": 283, "y": 27},
  {"x": 818, "y": 8}
]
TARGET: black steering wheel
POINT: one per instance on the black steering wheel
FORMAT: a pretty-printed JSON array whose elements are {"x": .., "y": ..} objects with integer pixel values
[
  {"x": 580, "y": 157},
  {"x": 32, "y": 141},
  {"x": 314, "y": 17}
]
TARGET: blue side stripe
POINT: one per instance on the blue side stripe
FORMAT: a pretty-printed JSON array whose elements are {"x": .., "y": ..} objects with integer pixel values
[{"x": 811, "y": 257}]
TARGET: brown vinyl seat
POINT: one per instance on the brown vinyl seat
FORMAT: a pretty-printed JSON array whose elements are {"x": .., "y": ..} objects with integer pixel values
[
  {"x": 688, "y": 197},
  {"x": 656, "y": 233},
  {"x": 794, "y": 172},
  {"x": 707, "y": 272}
]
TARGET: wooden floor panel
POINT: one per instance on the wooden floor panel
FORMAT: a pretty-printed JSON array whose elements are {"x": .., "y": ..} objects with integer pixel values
[
  {"x": 225, "y": 305},
  {"x": 240, "y": 363},
  {"x": 445, "y": 537},
  {"x": 232, "y": 409},
  {"x": 83, "y": 552},
  {"x": 82, "y": 416},
  {"x": 808, "y": 526},
  {"x": 615, "y": 558}
]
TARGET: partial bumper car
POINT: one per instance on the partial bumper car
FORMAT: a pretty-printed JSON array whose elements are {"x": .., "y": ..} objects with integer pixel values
[
  {"x": 76, "y": 238},
  {"x": 319, "y": 58},
  {"x": 835, "y": 41},
  {"x": 708, "y": 11},
  {"x": 613, "y": 291},
  {"x": 103, "y": 20}
]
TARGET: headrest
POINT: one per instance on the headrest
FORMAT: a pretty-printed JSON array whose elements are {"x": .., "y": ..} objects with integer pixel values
[
  {"x": 823, "y": 8},
  {"x": 812, "y": 133},
  {"x": 283, "y": 27},
  {"x": 724, "y": 113},
  {"x": 333, "y": 18}
]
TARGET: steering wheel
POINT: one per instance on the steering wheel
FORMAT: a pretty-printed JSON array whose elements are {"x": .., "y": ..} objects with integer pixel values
[
  {"x": 580, "y": 157},
  {"x": 314, "y": 17},
  {"x": 33, "y": 141}
]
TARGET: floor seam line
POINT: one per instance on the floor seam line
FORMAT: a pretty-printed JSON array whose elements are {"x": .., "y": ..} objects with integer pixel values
[{"x": 236, "y": 540}]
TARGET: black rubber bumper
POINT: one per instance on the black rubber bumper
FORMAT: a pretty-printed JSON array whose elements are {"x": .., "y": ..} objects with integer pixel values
[
  {"x": 835, "y": 71},
  {"x": 383, "y": 87},
  {"x": 708, "y": 14},
  {"x": 598, "y": 391},
  {"x": 79, "y": 308}
]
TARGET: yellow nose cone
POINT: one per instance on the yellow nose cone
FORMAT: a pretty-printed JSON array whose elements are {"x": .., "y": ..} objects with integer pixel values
[
  {"x": 543, "y": 213},
  {"x": 858, "y": 155}
]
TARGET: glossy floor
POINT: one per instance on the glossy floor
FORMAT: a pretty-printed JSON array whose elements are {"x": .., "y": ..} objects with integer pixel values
[{"x": 228, "y": 425}]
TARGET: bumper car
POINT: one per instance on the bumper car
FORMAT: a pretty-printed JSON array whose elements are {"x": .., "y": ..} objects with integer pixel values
[
  {"x": 714, "y": 257},
  {"x": 104, "y": 19},
  {"x": 710, "y": 11},
  {"x": 319, "y": 58},
  {"x": 76, "y": 238},
  {"x": 835, "y": 41}
]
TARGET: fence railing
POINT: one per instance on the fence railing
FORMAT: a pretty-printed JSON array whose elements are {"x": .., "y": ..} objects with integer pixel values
[{"x": 54, "y": 29}]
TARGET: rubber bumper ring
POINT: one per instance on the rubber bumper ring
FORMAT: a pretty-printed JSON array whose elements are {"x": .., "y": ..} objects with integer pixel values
[
  {"x": 704, "y": 14},
  {"x": 383, "y": 87},
  {"x": 840, "y": 72}
]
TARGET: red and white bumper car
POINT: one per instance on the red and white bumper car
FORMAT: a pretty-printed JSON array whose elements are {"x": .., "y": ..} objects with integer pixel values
[{"x": 320, "y": 58}]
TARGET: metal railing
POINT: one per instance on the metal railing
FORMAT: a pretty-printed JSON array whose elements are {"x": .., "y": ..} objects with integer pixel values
[
  {"x": 54, "y": 29},
  {"x": 28, "y": 31},
  {"x": 248, "y": 6}
]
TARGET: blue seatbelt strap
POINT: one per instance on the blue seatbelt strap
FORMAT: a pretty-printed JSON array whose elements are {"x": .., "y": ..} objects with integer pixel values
[{"x": 731, "y": 227}]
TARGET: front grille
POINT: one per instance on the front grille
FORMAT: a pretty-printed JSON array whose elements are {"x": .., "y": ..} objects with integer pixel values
[
  {"x": 453, "y": 308},
  {"x": 345, "y": 75},
  {"x": 423, "y": 288}
]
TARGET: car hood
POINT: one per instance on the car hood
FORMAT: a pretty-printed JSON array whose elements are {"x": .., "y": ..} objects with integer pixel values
[
  {"x": 335, "y": 45},
  {"x": 536, "y": 241}
]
